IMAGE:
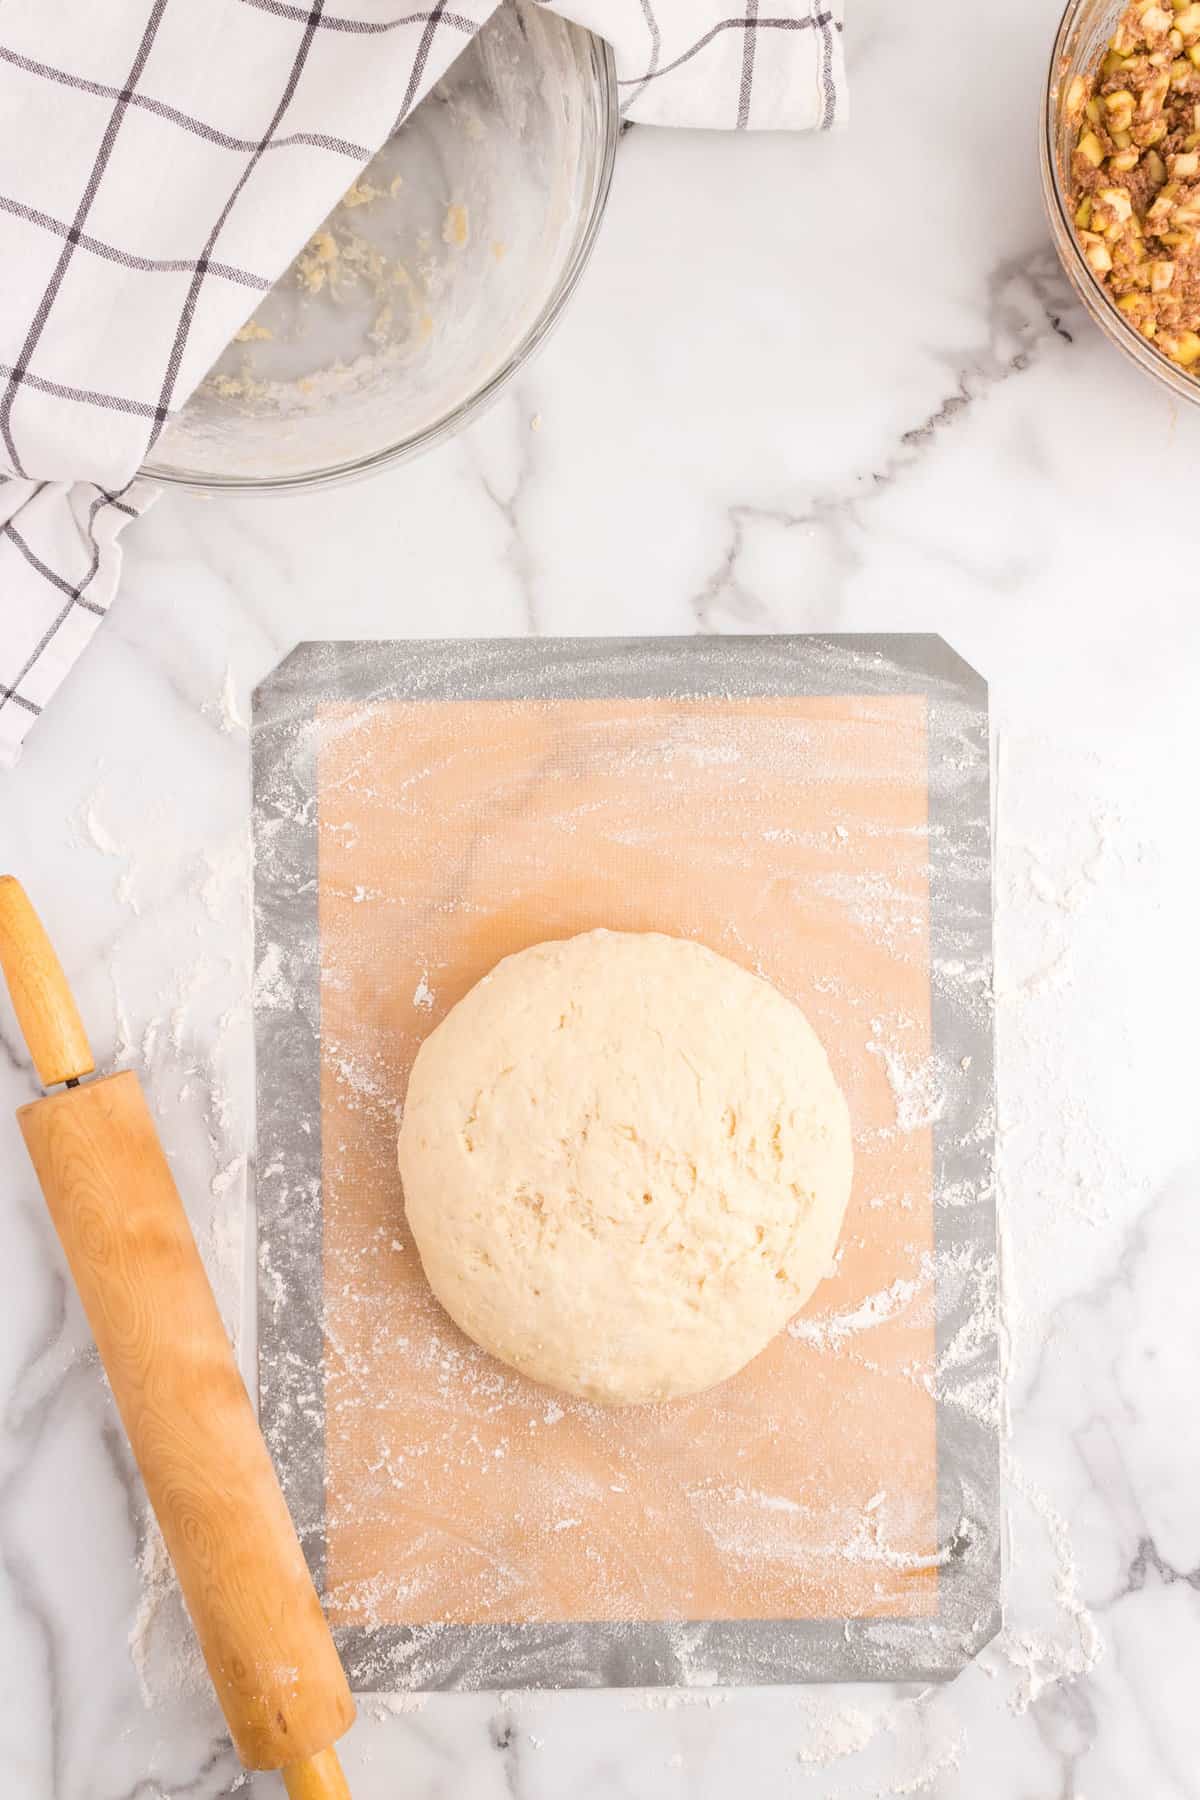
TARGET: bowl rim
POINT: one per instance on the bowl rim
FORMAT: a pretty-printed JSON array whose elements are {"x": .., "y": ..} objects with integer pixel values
[
  {"x": 193, "y": 481},
  {"x": 1095, "y": 299}
]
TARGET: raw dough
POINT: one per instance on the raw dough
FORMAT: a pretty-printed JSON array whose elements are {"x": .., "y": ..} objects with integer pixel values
[{"x": 625, "y": 1164}]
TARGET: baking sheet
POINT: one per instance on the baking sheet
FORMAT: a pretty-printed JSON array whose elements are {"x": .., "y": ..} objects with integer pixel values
[{"x": 816, "y": 809}]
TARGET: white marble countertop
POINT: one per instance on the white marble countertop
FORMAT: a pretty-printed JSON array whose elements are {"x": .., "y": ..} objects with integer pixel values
[{"x": 869, "y": 402}]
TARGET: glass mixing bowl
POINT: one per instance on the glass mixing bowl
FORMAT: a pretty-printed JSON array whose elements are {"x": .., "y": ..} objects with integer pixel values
[
  {"x": 433, "y": 281},
  {"x": 1083, "y": 34}
]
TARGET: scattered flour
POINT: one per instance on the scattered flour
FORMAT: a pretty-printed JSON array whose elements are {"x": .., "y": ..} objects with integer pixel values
[
  {"x": 226, "y": 1237},
  {"x": 224, "y": 1179},
  {"x": 227, "y": 709},
  {"x": 831, "y": 1332},
  {"x": 226, "y": 878},
  {"x": 162, "y": 1644},
  {"x": 98, "y": 834},
  {"x": 653, "y": 1700},
  {"x": 918, "y": 1088},
  {"x": 1051, "y": 979},
  {"x": 1043, "y": 1660},
  {"x": 123, "y": 1034},
  {"x": 941, "y": 1762},
  {"x": 272, "y": 989},
  {"x": 838, "y": 1734},
  {"x": 125, "y": 889}
]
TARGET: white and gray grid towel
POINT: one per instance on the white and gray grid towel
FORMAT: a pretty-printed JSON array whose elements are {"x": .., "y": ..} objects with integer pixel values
[{"x": 162, "y": 161}]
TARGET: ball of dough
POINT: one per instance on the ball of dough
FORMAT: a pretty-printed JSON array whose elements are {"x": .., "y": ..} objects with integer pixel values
[{"x": 625, "y": 1164}]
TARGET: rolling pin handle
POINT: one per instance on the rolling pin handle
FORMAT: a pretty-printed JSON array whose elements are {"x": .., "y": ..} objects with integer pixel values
[
  {"x": 45, "y": 1008},
  {"x": 318, "y": 1777}
]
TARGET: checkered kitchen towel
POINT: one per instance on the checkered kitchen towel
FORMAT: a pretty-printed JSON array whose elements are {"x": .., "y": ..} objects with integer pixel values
[{"x": 161, "y": 162}]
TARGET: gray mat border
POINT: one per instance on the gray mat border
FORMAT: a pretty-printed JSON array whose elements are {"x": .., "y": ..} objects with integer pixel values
[{"x": 287, "y": 1041}]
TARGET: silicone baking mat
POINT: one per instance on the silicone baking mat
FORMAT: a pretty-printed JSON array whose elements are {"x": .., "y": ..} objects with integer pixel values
[{"x": 816, "y": 809}]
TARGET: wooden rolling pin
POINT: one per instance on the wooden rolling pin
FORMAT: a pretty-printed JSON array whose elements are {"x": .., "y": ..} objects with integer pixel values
[{"x": 176, "y": 1383}]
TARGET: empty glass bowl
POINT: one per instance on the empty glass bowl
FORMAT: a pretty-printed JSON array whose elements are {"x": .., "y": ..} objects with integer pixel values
[{"x": 432, "y": 282}]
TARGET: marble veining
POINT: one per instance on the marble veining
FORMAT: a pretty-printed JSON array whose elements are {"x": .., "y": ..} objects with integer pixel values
[{"x": 869, "y": 402}]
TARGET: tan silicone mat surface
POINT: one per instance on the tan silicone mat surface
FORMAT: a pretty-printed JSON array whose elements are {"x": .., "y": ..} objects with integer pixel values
[{"x": 790, "y": 834}]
